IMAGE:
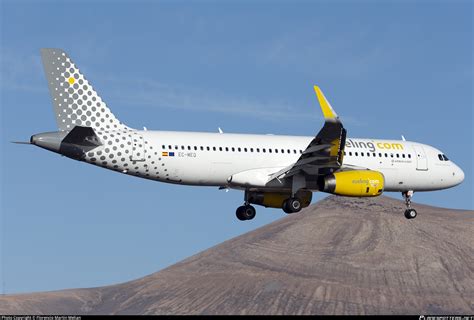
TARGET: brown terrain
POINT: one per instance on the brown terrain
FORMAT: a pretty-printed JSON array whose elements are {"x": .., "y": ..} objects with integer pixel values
[{"x": 338, "y": 256}]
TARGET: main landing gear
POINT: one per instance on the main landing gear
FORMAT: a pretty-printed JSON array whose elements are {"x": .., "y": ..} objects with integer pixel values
[
  {"x": 245, "y": 212},
  {"x": 272, "y": 199},
  {"x": 292, "y": 205},
  {"x": 410, "y": 213}
]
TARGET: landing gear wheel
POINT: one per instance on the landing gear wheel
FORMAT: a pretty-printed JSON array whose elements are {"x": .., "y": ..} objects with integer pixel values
[
  {"x": 292, "y": 205},
  {"x": 240, "y": 213},
  {"x": 286, "y": 208},
  {"x": 249, "y": 212},
  {"x": 246, "y": 212},
  {"x": 410, "y": 213}
]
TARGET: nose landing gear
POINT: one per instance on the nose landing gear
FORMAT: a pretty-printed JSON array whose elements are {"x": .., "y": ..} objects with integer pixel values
[{"x": 410, "y": 213}]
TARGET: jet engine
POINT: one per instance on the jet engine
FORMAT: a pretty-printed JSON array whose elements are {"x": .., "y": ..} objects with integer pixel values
[{"x": 355, "y": 183}]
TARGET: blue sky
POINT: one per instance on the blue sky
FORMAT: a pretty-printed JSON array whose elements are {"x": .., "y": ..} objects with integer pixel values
[{"x": 245, "y": 66}]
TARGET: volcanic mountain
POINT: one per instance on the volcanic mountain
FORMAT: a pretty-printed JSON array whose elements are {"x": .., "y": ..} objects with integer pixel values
[{"x": 338, "y": 256}]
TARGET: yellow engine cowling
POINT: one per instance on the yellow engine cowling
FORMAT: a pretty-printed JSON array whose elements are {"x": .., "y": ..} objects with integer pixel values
[
  {"x": 355, "y": 183},
  {"x": 276, "y": 199}
]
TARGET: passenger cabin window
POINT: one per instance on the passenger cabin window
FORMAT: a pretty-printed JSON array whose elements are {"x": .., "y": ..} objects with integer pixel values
[
  {"x": 163, "y": 147},
  {"x": 409, "y": 156}
]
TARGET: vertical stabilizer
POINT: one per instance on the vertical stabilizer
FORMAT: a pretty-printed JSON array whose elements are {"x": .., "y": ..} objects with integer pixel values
[{"x": 75, "y": 101}]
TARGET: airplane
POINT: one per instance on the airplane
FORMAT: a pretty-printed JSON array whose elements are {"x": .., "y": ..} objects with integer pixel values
[{"x": 273, "y": 170}]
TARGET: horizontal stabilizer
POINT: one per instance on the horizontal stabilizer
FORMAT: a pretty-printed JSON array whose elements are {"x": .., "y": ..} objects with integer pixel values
[{"x": 82, "y": 136}]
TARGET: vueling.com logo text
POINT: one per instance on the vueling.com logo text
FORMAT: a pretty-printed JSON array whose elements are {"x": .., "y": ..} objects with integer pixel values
[{"x": 371, "y": 146}]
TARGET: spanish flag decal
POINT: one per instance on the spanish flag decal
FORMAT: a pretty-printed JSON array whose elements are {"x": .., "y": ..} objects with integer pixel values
[{"x": 167, "y": 154}]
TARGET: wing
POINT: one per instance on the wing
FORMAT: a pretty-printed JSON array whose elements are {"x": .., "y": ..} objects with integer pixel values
[{"x": 325, "y": 152}]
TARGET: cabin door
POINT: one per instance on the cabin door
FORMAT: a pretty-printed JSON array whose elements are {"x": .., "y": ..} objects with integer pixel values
[{"x": 421, "y": 160}]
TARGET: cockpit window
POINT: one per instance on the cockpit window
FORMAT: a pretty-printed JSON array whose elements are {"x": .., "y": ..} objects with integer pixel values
[{"x": 442, "y": 157}]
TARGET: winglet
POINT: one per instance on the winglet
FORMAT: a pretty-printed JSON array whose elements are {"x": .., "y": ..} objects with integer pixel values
[{"x": 328, "y": 111}]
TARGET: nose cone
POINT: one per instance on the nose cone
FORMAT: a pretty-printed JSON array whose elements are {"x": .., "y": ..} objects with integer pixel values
[{"x": 458, "y": 175}]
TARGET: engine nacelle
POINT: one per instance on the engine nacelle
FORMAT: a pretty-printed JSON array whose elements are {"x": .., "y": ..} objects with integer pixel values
[
  {"x": 276, "y": 199},
  {"x": 355, "y": 183}
]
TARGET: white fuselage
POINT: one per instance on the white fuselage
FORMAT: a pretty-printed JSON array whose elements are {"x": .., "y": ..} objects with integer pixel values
[
  {"x": 209, "y": 159},
  {"x": 275, "y": 171}
]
